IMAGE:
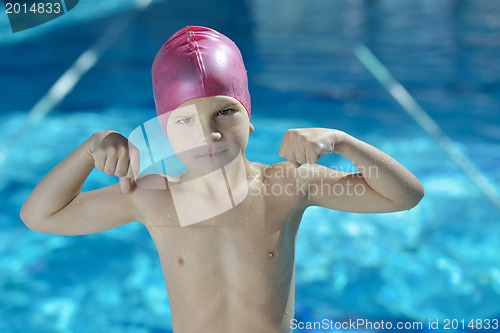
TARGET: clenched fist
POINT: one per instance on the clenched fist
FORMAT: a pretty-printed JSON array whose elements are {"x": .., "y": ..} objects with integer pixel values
[
  {"x": 115, "y": 155},
  {"x": 306, "y": 145}
]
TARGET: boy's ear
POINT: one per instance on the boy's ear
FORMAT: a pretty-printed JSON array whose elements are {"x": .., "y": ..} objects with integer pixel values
[{"x": 251, "y": 128}]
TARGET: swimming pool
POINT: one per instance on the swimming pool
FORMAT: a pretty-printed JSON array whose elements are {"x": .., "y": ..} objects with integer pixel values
[{"x": 438, "y": 260}]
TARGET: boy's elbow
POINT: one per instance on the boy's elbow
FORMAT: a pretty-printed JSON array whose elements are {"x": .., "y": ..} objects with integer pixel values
[
  {"x": 29, "y": 220},
  {"x": 416, "y": 195},
  {"x": 25, "y": 216}
]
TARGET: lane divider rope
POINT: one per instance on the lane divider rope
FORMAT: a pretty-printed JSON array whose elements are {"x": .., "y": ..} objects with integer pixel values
[
  {"x": 422, "y": 118},
  {"x": 66, "y": 82}
]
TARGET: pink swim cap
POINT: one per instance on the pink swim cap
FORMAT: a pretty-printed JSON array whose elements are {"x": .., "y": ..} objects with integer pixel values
[{"x": 197, "y": 62}]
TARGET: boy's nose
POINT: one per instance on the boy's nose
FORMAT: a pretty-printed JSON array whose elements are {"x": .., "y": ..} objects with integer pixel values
[
  {"x": 210, "y": 130},
  {"x": 215, "y": 135}
]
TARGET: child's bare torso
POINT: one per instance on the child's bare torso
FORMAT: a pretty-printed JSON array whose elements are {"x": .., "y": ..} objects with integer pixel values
[{"x": 233, "y": 272}]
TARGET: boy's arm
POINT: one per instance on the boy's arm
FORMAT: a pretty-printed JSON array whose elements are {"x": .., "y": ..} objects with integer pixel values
[
  {"x": 381, "y": 185},
  {"x": 57, "y": 206}
]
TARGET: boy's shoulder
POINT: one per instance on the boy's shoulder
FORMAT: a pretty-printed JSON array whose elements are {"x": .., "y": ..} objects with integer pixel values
[
  {"x": 284, "y": 170},
  {"x": 270, "y": 173},
  {"x": 154, "y": 181},
  {"x": 283, "y": 187},
  {"x": 283, "y": 173}
]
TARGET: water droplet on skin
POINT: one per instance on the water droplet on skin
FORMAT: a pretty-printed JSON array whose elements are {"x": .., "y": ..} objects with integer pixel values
[
  {"x": 251, "y": 243},
  {"x": 253, "y": 254},
  {"x": 246, "y": 223},
  {"x": 270, "y": 254},
  {"x": 260, "y": 272}
]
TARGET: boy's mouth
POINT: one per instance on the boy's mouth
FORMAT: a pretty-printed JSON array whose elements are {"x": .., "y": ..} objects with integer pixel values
[{"x": 211, "y": 155}]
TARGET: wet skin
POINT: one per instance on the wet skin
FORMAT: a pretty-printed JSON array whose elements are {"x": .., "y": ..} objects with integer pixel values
[
  {"x": 232, "y": 272},
  {"x": 230, "y": 268}
]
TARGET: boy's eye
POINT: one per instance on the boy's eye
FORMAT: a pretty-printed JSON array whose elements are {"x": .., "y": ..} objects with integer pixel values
[
  {"x": 225, "y": 112},
  {"x": 184, "y": 121}
]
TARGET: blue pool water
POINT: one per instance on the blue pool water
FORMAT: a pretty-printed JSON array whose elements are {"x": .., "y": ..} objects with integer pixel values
[{"x": 438, "y": 260}]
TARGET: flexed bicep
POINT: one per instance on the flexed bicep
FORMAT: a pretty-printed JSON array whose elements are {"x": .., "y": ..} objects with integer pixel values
[{"x": 343, "y": 191}]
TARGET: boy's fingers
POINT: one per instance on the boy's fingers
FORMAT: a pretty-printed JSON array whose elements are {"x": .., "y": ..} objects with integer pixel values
[
  {"x": 130, "y": 174},
  {"x": 110, "y": 165},
  {"x": 125, "y": 184},
  {"x": 300, "y": 155},
  {"x": 135, "y": 160},
  {"x": 287, "y": 150},
  {"x": 99, "y": 160},
  {"x": 281, "y": 152},
  {"x": 99, "y": 164},
  {"x": 135, "y": 166},
  {"x": 311, "y": 154},
  {"x": 122, "y": 166}
]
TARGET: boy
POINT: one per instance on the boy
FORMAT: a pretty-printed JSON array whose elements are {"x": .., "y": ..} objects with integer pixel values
[{"x": 225, "y": 229}]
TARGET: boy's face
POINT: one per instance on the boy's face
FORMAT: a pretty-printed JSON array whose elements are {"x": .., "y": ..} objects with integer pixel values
[{"x": 208, "y": 133}]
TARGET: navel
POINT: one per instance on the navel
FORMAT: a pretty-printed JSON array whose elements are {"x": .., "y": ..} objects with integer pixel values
[{"x": 180, "y": 262}]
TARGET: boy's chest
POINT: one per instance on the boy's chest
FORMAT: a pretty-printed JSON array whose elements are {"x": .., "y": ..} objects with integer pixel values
[
  {"x": 262, "y": 221},
  {"x": 248, "y": 242},
  {"x": 257, "y": 208}
]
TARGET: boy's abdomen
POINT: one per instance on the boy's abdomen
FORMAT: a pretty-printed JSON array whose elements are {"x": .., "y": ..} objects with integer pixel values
[
  {"x": 231, "y": 281},
  {"x": 231, "y": 273}
]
